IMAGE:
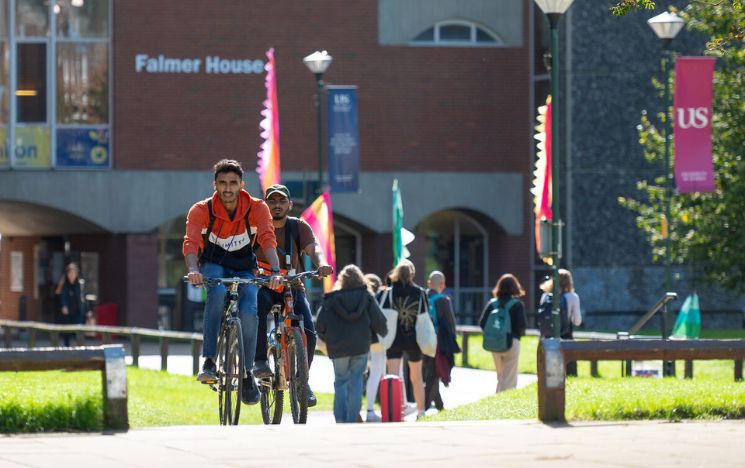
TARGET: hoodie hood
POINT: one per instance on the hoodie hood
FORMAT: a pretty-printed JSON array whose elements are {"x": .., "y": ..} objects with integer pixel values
[
  {"x": 348, "y": 304},
  {"x": 244, "y": 201}
]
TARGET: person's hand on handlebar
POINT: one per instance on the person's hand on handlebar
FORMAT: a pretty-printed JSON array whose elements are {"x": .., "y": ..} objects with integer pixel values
[
  {"x": 275, "y": 280},
  {"x": 195, "y": 278},
  {"x": 324, "y": 270}
]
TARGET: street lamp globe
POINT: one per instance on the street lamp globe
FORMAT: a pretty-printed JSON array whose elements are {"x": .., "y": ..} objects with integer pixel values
[
  {"x": 551, "y": 7},
  {"x": 666, "y": 25},
  {"x": 318, "y": 62}
]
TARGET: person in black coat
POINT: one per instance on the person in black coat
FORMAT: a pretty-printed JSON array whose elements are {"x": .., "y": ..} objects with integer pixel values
[
  {"x": 348, "y": 315},
  {"x": 72, "y": 310}
]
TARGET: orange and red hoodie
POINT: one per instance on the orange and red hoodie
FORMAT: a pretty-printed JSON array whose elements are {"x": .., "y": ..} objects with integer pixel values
[{"x": 230, "y": 241}]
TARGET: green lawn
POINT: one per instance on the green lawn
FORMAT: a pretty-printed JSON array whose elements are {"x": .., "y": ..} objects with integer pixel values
[
  {"x": 60, "y": 401},
  {"x": 617, "y": 399}
]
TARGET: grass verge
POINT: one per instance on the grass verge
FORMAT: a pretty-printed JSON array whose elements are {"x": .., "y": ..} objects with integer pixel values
[
  {"x": 53, "y": 401},
  {"x": 616, "y": 399}
]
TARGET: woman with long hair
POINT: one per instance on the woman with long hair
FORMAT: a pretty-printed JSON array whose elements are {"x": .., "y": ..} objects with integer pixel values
[
  {"x": 569, "y": 309},
  {"x": 508, "y": 287},
  {"x": 349, "y": 314},
  {"x": 408, "y": 299}
]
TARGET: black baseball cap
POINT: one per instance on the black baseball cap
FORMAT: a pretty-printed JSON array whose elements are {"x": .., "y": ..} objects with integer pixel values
[{"x": 277, "y": 188}]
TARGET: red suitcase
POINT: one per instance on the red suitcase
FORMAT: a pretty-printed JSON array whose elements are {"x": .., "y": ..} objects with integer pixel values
[{"x": 391, "y": 398}]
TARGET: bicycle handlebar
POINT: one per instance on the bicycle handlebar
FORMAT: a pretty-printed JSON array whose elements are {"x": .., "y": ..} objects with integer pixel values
[{"x": 259, "y": 281}]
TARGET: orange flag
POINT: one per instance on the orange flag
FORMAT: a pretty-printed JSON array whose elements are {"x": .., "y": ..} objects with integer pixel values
[
  {"x": 320, "y": 218},
  {"x": 268, "y": 164}
]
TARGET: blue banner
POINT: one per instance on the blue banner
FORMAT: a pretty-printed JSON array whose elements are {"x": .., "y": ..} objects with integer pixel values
[
  {"x": 343, "y": 138},
  {"x": 83, "y": 147}
]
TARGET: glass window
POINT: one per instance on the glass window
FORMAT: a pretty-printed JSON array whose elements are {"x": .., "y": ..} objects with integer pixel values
[
  {"x": 455, "y": 33},
  {"x": 32, "y": 18},
  {"x": 483, "y": 36},
  {"x": 426, "y": 36},
  {"x": 31, "y": 91},
  {"x": 82, "y": 18},
  {"x": 82, "y": 83}
]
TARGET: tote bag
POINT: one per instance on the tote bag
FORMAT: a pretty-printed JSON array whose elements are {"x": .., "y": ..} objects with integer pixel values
[
  {"x": 426, "y": 337},
  {"x": 391, "y": 319}
]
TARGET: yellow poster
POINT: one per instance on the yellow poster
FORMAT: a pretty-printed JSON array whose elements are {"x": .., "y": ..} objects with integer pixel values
[
  {"x": 4, "y": 160},
  {"x": 31, "y": 149}
]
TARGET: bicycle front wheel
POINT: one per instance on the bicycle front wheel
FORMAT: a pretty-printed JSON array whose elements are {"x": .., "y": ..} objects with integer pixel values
[
  {"x": 298, "y": 376},
  {"x": 231, "y": 383},
  {"x": 272, "y": 395}
]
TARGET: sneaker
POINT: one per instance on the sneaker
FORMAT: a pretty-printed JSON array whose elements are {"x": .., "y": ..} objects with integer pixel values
[
  {"x": 372, "y": 417},
  {"x": 420, "y": 415},
  {"x": 312, "y": 400},
  {"x": 262, "y": 370},
  {"x": 250, "y": 394},
  {"x": 209, "y": 372},
  {"x": 409, "y": 408}
]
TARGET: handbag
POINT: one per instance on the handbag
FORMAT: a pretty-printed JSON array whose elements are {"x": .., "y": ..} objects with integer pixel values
[
  {"x": 426, "y": 337},
  {"x": 391, "y": 319}
]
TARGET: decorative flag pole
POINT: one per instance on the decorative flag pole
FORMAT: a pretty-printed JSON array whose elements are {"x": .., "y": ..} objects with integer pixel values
[
  {"x": 320, "y": 218},
  {"x": 268, "y": 156},
  {"x": 542, "y": 180},
  {"x": 401, "y": 236}
]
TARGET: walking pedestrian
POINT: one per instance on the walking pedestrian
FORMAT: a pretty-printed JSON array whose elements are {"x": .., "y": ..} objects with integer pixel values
[
  {"x": 376, "y": 364},
  {"x": 506, "y": 294},
  {"x": 569, "y": 309},
  {"x": 408, "y": 300},
  {"x": 348, "y": 316},
  {"x": 438, "y": 368},
  {"x": 72, "y": 310}
]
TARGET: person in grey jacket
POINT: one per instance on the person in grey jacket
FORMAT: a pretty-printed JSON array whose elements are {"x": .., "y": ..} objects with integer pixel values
[{"x": 347, "y": 315}]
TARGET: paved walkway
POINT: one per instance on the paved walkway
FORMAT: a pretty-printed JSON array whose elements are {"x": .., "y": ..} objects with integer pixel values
[{"x": 471, "y": 444}]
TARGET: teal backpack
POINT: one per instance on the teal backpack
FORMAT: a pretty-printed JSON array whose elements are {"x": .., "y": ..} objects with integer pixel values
[{"x": 498, "y": 328}]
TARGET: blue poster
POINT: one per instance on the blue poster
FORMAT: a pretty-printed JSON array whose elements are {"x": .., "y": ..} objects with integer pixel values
[
  {"x": 83, "y": 148},
  {"x": 343, "y": 139}
]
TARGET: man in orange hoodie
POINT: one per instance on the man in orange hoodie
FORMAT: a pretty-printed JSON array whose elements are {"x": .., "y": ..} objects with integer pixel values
[{"x": 220, "y": 232}]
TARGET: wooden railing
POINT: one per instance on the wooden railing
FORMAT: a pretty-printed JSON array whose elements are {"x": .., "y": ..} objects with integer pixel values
[
  {"x": 134, "y": 335},
  {"x": 554, "y": 354},
  {"x": 108, "y": 359}
]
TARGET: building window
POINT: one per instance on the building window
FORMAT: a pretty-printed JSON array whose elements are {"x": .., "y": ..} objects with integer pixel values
[
  {"x": 457, "y": 33},
  {"x": 58, "y": 73}
]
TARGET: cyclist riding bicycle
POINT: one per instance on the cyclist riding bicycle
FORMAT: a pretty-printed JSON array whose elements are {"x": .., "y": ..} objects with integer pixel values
[
  {"x": 220, "y": 233},
  {"x": 294, "y": 238}
]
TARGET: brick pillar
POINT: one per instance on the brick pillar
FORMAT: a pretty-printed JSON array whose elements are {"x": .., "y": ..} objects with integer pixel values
[{"x": 141, "y": 281}]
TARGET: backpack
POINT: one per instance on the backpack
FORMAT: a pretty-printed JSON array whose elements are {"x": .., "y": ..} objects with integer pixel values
[
  {"x": 498, "y": 328},
  {"x": 433, "y": 309},
  {"x": 544, "y": 321}
]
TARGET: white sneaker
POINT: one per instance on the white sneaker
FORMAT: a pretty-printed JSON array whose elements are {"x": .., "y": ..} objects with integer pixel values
[
  {"x": 409, "y": 408},
  {"x": 372, "y": 417}
]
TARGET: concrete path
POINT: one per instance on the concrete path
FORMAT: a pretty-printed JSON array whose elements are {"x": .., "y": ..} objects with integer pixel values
[{"x": 471, "y": 444}]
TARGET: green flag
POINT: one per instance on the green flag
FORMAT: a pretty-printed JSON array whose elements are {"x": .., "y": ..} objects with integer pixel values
[
  {"x": 688, "y": 324},
  {"x": 398, "y": 221}
]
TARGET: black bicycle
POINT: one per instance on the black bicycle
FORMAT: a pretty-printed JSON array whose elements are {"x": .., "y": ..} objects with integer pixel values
[
  {"x": 287, "y": 359},
  {"x": 230, "y": 366}
]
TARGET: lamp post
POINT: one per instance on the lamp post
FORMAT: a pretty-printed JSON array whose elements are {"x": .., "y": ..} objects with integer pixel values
[
  {"x": 318, "y": 63},
  {"x": 554, "y": 10},
  {"x": 666, "y": 26}
]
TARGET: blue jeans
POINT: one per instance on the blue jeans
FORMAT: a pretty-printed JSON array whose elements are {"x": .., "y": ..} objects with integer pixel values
[
  {"x": 266, "y": 298},
  {"x": 348, "y": 387},
  {"x": 215, "y": 306}
]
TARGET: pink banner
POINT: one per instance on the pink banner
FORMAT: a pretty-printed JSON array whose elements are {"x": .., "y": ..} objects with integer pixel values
[{"x": 694, "y": 171}]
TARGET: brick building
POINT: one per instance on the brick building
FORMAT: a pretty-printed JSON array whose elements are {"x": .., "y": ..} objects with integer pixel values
[{"x": 114, "y": 111}]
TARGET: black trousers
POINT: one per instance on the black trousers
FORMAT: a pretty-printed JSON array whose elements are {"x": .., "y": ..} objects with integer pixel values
[{"x": 431, "y": 384}]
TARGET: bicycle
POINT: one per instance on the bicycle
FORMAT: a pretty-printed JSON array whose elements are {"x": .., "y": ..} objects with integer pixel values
[
  {"x": 287, "y": 359},
  {"x": 229, "y": 363}
]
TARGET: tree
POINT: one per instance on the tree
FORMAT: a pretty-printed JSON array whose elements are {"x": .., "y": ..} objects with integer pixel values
[{"x": 707, "y": 230}]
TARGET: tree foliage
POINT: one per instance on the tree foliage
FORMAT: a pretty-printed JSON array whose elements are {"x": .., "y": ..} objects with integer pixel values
[{"x": 707, "y": 230}]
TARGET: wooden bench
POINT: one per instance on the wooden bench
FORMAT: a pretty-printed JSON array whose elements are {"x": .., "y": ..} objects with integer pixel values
[
  {"x": 554, "y": 354},
  {"x": 109, "y": 359}
]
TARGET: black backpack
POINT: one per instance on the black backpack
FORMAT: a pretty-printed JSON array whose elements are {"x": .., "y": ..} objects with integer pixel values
[{"x": 544, "y": 322}]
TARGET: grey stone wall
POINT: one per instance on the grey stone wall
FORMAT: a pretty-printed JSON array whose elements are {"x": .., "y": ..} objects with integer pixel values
[{"x": 611, "y": 63}]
